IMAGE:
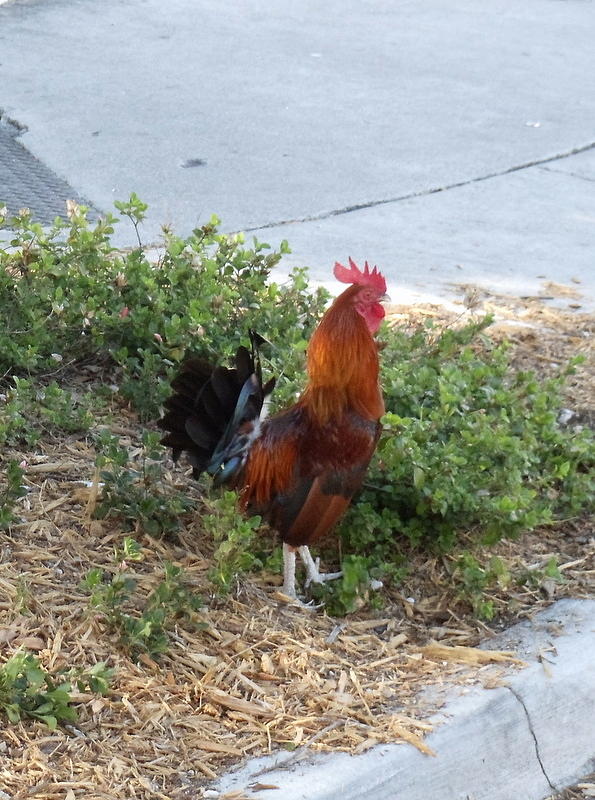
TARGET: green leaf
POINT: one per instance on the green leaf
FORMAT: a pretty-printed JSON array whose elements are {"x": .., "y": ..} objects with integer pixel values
[{"x": 49, "y": 720}]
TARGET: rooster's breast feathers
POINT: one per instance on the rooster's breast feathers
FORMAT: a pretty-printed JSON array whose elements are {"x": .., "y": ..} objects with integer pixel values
[{"x": 301, "y": 475}]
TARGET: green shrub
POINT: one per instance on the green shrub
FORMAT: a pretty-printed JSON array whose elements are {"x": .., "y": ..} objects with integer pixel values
[
  {"x": 68, "y": 294},
  {"x": 353, "y": 590},
  {"x": 144, "y": 629},
  {"x": 30, "y": 411},
  {"x": 11, "y": 489},
  {"x": 28, "y": 690},
  {"x": 469, "y": 444},
  {"x": 236, "y": 539},
  {"x": 474, "y": 580},
  {"x": 134, "y": 490}
]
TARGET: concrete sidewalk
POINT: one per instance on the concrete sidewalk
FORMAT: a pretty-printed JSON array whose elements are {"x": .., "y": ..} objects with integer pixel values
[{"x": 447, "y": 142}]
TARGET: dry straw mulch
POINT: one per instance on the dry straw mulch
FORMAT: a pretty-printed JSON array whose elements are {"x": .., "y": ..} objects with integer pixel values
[
  {"x": 262, "y": 675},
  {"x": 581, "y": 791}
]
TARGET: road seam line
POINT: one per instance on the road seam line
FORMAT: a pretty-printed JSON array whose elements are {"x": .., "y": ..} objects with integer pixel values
[{"x": 423, "y": 193}]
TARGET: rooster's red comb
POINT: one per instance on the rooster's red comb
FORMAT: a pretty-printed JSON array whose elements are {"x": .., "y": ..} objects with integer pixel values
[{"x": 369, "y": 277}]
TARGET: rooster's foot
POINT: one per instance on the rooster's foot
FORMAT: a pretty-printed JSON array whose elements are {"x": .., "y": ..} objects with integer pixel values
[
  {"x": 313, "y": 575},
  {"x": 312, "y": 569}
]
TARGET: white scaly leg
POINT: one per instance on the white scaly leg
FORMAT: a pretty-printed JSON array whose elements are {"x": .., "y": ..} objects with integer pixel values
[
  {"x": 312, "y": 572},
  {"x": 289, "y": 571}
]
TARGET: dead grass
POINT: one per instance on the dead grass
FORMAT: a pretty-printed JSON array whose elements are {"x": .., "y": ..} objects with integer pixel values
[{"x": 262, "y": 675}]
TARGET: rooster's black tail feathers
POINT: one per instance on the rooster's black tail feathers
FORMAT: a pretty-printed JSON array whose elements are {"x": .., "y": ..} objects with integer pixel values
[{"x": 210, "y": 404}]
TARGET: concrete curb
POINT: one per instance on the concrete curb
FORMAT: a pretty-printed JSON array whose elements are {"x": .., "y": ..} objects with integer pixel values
[{"x": 525, "y": 740}]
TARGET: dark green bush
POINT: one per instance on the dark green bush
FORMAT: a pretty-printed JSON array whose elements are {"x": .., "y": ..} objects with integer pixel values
[
  {"x": 29, "y": 411},
  {"x": 67, "y": 295},
  {"x": 469, "y": 444}
]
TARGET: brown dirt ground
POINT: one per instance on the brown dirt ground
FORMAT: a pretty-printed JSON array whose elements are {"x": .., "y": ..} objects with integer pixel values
[{"x": 259, "y": 674}]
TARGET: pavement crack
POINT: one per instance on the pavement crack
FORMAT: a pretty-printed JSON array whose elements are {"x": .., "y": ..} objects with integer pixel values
[
  {"x": 534, "y": 737},
  {"x": 570, "y": 174},
  {"x": 424, "y": 192}
]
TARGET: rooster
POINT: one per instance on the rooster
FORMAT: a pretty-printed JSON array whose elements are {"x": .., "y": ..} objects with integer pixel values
[{"x": 299, "y": 468}]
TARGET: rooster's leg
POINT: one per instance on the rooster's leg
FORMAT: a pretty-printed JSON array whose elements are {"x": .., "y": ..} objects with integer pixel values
[
  {"x": 289, "y": 571},
  {"x": 313, "y": 575}
]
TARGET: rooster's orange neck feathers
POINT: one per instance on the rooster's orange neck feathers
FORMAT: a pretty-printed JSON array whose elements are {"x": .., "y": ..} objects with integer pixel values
[{"x": 342, "y": 365}]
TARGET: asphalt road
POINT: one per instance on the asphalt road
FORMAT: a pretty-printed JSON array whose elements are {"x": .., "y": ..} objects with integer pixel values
[{"x": 446, "y": 142}]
